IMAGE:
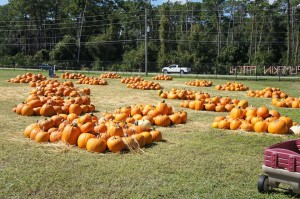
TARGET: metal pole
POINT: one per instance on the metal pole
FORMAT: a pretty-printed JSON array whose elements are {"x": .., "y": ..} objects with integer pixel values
[
  {"x": 79, "y": 34},
  {"x": 146, "y": 44}
]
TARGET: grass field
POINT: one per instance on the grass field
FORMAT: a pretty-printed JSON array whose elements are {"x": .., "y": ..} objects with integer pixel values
[{"x": 194, "y": 161}]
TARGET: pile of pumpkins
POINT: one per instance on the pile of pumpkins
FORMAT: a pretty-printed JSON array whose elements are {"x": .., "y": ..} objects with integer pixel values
[
  {"x": 93, "y": 134},
  {"x": 162, "y": 77},
  {"x": 182, "y": 94},
  {"x": 26, "y": 78},
  {"x": 197, "y": 82},
  {"x": 110, "y": 76},
  {"x": 232, "y": 86},
  {"x": 161, "y": 115},
  {"x": 51, "y": 97},
  {"x": 260, "y": 120},
  {"x": 55, "y": 88},
  {"x": 268, "y": 92},
  {"x": 217, "y": 104},
  {"x": 127, "y": 128},
  {"x": 289, "y": 102},
  {"x": 131, "y": 80},
  {"x": 92, "y": 81},
  {"x": 145, "y": 85},
  {"x": 68, "y": 75},
  {"x": 36, "y": 105}
]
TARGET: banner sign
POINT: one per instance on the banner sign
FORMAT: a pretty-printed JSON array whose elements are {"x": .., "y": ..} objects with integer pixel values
[{"x": 267, "y": 70}]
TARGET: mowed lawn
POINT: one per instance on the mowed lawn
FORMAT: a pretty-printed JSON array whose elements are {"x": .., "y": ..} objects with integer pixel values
[{"x": 193, "y": 161}]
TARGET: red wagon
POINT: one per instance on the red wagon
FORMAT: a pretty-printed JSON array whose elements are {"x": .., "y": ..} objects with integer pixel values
[{"x": 281, "y": 165}]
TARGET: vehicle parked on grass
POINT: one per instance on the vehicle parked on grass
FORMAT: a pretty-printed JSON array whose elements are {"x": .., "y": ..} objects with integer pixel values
[
  {"x": 175, "y": 68},
  {"x": 45, "y": 66}
]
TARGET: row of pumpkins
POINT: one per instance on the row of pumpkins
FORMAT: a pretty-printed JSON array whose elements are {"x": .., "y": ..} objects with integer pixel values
[
  {"x": 68, "y": 75},
  {"x": 127, "y": 128},
  {"x": 26, "y": 78},
  {"x": 110, "y": 76},
  {"x": 145, "y": 85},
  {"x": 268, "y": 92},
  {"x": 51, "y": 97},
  {"x": 182, "y": 94},
  {"x": 260, "y": 120},
  {"x": 92, "y": 81},
  {"x": 87, "y": 132},
  {"x": 217, "y": 104},
  {"x": 162, "y": 77},
  {"x": 232, "y": 86},
  {"x": 289, "y": 102},
  {"x": 197, "y": 82}
]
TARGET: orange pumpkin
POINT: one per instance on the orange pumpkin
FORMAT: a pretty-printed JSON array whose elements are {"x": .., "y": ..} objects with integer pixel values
[
  {"x": 70, "y": 134},
  {"x": 115, "y": 144},
  {"x": 278, "y": 127},
  {"x": 96, "y": 145},
  {"x": 83, "y": 138}
]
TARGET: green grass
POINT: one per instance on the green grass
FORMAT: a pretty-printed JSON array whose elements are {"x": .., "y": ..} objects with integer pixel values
[{"x": 194, "y": 161}]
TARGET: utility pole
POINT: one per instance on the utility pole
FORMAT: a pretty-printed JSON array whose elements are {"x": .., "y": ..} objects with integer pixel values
[
  {"x": 146, "y": 44},
  {"x": 79, "y": 33}
]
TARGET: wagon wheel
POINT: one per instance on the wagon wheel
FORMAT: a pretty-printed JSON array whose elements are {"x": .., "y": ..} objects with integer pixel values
[{"x": 263, "y": 184}]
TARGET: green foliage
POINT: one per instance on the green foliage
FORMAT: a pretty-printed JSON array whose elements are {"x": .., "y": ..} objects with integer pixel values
[
  {"x": 202, "y": 34},
  {"x": 41, "y": 56},
  {"x": 64, "y": 52}
]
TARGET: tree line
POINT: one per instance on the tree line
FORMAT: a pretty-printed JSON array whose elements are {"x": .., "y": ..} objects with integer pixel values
[{"x": 209, "y": 35}]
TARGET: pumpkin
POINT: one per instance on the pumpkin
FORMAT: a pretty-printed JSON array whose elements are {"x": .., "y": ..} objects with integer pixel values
[
  {"x": 27, "y": 110},
  {"x": 236, "y": 113},
  {"x": 199, "y": 105},
  {"x": 29, "y": 128},
  {"x": 140, "y": 139},
  {"x": 224, "y": 124},
  {"x": 87, "y": 127},
  {"x": 115, "y": 144},
  {"x": 162, "y": 120},
  {"x": 215, "y": 124},
  {"x": 114, "y": 130},
  {"x": 83, "y": 138},
  {"x": 33, "y": 133},
  {"x": 130, "y": 143},
  {"x": 42, "y": 136},
  {"x": 148, "y": 137},
  {"x": 260, "y": 127},
  {"x": 278, "y": 127},
  {"x": 55, "y": 136},
  {"x": 246, "y": 126},
  {"x": 274, "y": 113},
  {"x": 145, "y": 123},
  {"x": 263, "y": 112},
  {"x": 175, "y": 118},
  {"x": 243, "y": 104},
  {"x": 47, "y": 110},
  {"x": 45, "y": 124},
  {"x": 287, "y": 120},
  {"x": 295, "y": 130},
  {"x": 100, "y": 128},
  {"x": 75, "y": 108},
  {"x": 162, "y": 107},
  {"x": 156, "y": 136},
  {"x": 183, "y": 116},
  {"x": 71, "y": 133},
  {"x": 235, "y": 124},
  {"x": 96, "y": 145}
]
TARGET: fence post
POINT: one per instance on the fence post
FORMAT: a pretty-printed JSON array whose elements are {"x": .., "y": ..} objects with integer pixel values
[{"x": 235, "y": 74}]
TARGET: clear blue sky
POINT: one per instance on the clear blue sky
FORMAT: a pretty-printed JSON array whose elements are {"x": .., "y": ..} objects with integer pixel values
[{"x": 2, "y": 2}]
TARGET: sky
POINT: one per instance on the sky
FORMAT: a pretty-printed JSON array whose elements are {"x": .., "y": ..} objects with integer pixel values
[
  {"x": 154, "y": 2},
  {"x": 2, "y": 2}
]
